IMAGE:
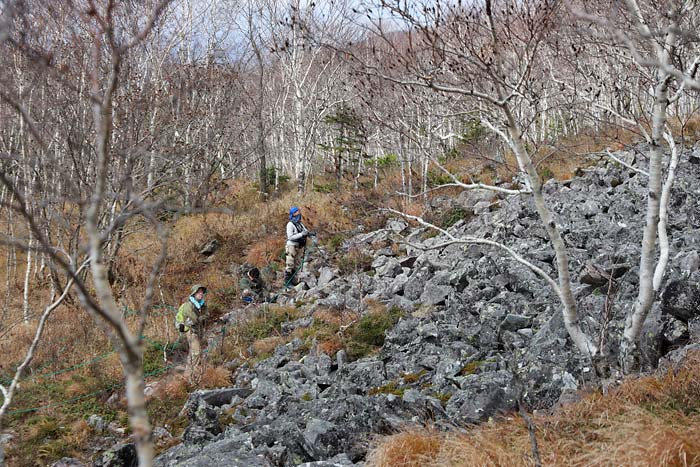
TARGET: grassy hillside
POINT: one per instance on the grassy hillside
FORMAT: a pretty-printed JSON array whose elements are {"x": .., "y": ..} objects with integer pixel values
[{"x": 76, "y": 374}]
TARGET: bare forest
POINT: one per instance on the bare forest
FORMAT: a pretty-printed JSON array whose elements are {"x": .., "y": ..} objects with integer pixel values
[{"x": 134, "y": 132}]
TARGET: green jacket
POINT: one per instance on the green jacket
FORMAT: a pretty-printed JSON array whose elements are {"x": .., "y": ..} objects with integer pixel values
[
  {"x": 190, "y": 316},
  {"x": 257, "y": 288}
]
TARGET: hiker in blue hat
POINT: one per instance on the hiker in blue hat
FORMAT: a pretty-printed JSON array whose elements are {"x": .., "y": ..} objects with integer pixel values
[{"x": 297, "y": 233}]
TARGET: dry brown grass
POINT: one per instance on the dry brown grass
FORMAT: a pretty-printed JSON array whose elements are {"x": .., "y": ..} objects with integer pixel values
[
  {"x": 175, "y": 387},
  {"x": 69, "y": 339},
  {"x": 646, "y": 422},
  {"x": 79, "y": 433},
  {"x": 328, "y": 323},
  {"x": 267, "y": 345},
  {"x": 334, "y": 317},
  {"x": 414, "y": 447},
  {"x": 331, "y": 345},
  {"x": 265, "y": 250},
  {"x": 690, "y": 128},
  {"x": 215, "y": 377}
]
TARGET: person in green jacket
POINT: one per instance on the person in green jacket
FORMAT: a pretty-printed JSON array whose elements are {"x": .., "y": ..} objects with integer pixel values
[
  {"x": 252, "y": 286},
  {"x": 190, "y": 321}
]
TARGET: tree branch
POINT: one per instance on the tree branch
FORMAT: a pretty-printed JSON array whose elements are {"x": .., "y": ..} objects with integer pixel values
[
  {"x": 473, "y": 240},
  {"x": 9, "y": 392},
  {"x": 625, "y": 164}
]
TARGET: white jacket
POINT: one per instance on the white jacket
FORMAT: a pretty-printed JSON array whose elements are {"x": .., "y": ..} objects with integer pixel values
[{"x": 295, "y": 232}]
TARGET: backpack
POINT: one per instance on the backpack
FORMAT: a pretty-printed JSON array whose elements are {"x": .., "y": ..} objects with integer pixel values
[
  {"x": 179, "y": 318},
  {"x": 178, "y": 321},
  {"x": 300, "y": 228}
]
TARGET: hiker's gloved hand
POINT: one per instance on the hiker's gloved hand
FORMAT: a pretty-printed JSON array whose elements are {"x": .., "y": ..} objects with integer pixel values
[
  {"x": 181, "y": 327},
  {"x": 312, "y": 233},
  {"x": 306, "y": 233}
]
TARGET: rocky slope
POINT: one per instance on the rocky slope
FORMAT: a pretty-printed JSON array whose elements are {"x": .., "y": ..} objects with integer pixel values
[{"x": 479, "y": 331}]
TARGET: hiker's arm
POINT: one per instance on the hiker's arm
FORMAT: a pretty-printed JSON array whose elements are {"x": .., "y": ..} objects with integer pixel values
[{"x": 292, "y": 233}]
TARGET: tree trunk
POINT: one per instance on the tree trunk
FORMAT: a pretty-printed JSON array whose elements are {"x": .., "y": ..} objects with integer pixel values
[
  {"x": 27, "y": 276},
  {"x": 645, "y": 297},
  {"x": 663, "y": 215},
  {"x": 138, "y": 415},
  {"x": 570, "y": 311}
]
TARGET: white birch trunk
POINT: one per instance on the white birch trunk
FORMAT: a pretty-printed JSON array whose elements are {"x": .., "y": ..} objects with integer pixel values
[
  {"x": 569, "y": 311},
  {"x": 298, "y": 132},
  {"x": 376, "y": 168},
  {"x": 403, "y": 176},
  {"x": 27, "y": 277},
  {"x": 138, "y": 415},
  {"x": 663, "y": 214},
  {"x": 126, "y": 342},
  {"x": 410, "y": 173},
  {"x": 645, "y": 297},
  {"x": 152, "y": 153}
]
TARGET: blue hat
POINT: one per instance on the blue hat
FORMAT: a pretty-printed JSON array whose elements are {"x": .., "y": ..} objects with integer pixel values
[{"x": 294, "y": 214}]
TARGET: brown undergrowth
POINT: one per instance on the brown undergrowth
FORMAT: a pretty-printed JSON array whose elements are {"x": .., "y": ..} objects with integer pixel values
[
  {"x": 74, "y": 374},
  {"x": 649, "y": 421}
]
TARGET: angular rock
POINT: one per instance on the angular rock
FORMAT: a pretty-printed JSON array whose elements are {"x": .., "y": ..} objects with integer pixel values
[
  {"x": 482, "y": 396},
  {"x": 390, "y": 268},
  {"x": 674, "y": 359},
  {"x": 65, "y": 462},
  {"x": 325, "y": 276},
  {"x": 690, "y": 263},
  {"x": 408, "y": 261},
  {"x": 235, "y": 450},
  {"x": 290, "y": 326},
  {"x": 402, "y": 303},
  {"x": 308, "y": 279},
  {"x": 333, "y": 301},
  {"x": 384, "y": 252},
  {"x": 97, "y": 423},
  {"x": 123, "y": 455},
  {"x": 675, "y": 333},
  {"x": 202, "y": 433},
  {"x": 681, "y": 299},
  {"x": 481, "y": 207},
  {"x": 214, "y": 398},
  {"x": 515, "y": 322},
  {"x": 593, "y": 275},
  {"x": 396, "y": 225},
  {"x": 321, "y": 438},
  {"x": 341, "y": 460},
  {"x": 210, "y": 247},
  {"x": 341, "y": 359},
  {"x": 435, "y": 295}
]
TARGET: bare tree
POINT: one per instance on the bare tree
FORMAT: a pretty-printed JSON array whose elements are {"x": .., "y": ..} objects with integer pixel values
[
  {"x": 106, "y": 35},
  {"x": 8, "y": 392},
  {"x": 501, "y": 63},
  {"x": 310, "y": 73},
  {"x": 649, "y": 45},
  {"x": 486, "y": 56}
]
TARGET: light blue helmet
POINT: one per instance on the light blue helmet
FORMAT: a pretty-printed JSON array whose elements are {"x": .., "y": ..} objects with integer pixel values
[{"x": 294, "y": 214}]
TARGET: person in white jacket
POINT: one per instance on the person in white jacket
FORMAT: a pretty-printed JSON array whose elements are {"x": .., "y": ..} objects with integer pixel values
[{"x": 297, "y": 234}]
